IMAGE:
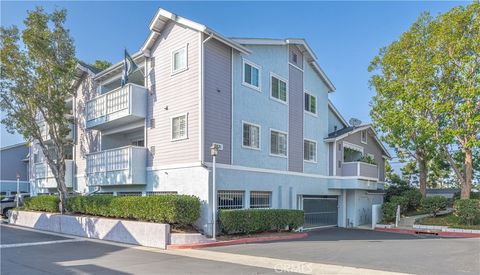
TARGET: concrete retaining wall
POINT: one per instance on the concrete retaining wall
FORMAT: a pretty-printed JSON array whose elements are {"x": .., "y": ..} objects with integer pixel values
[
  {"x": 445, "y": 228},
  {"x": 188, "y": 238},
  {"x": 131, "y": 232}
]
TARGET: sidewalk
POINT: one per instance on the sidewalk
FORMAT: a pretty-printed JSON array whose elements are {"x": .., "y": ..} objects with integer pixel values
[{"x": 408, "y": 222}]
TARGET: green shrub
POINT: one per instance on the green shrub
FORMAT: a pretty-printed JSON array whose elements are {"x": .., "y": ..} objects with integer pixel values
[
  {"x": 173, "y": 209},
  {"x": 434, "y": 204},
  {"x": 397, "y": 189},
  {"x": 42, "y": 203},
  {"x": 414, "y": 198},
  {"x": 468, "y": 211},
  {"x": 245, "y": 221},
  {"x": 389, "y": 211},
  {"x": 402, "y": 201}
]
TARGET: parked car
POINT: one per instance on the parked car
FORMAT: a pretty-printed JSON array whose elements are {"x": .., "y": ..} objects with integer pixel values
[{"x": 10, "y": 202}]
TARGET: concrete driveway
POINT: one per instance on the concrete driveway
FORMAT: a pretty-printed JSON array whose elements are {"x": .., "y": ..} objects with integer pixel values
[{"x": 416, "y": 254}]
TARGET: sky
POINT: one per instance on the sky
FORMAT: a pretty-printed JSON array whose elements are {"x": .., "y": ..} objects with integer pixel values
[{"x": 345, "y": 36}]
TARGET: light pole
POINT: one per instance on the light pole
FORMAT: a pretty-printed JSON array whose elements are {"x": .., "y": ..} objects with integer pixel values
[
  {"x": 18, "y": 189},
  {"x": 214, "y": 152}
]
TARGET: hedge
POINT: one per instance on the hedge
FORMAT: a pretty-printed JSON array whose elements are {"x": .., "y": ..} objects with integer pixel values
[
  {"x": 434, "y": 204},
  {"x": 389, "y": 211},
  {"x": 245, "y": 221},
  {"x": 468, "y": 211},
  {"x": 42, "y": 203},
  {"x": 178, "y": 210}
]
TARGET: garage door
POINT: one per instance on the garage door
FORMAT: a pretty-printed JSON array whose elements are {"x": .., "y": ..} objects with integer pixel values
[{"x": 320, "y": 211}]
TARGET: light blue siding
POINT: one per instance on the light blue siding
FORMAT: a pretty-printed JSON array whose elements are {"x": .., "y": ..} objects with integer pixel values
[
  {"x": 333, "y": 121},
  {"x": 315, "y": 127},
  {"x": 257, "y": 107}
]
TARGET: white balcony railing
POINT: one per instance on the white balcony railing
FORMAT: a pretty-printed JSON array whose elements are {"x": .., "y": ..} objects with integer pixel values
[
  {"x": 360, "y": 169},
  {"x": 124, "y": 104},
  {"x": 44, "y": 177},
  {"x": 119, "y": 166}
]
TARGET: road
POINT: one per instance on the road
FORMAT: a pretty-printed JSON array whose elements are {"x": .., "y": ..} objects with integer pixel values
[{"x": 330, "y": 251}]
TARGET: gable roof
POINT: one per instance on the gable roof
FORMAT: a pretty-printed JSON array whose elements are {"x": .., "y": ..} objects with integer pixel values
[
  {"x": 89, "y": 67},
  {"x": 163, "y": 17},
  {"x": 304, "y": 47},
  {"x": 339, "y": 134}
]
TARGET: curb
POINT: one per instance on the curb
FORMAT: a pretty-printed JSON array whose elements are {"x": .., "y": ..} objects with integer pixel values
[
  {"x": 238, "y": 241},
  {"x": 427, "y": 231}
]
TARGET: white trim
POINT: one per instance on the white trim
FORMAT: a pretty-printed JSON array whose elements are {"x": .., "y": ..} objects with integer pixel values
[
  {"x": 286, "y": 143},
  {"x": 295, "y": 66},
  {"x": 201, "y": 96},
  {"x": 259, "y": 136},
  {"x": 172, "y": 60},
  {"x": 316, "y": 103},
  {"x": 366, "y": 136},
  {"x": 259, "y": 68},
  {"x": 337, "y": 113},
  {"x": 316, "y": 150},
  {"x": 186, "y": 126},
  {"x": 232, "y": 87},
  {"x": 175, "y": 166},
  {"x": 274, "y": 75}
]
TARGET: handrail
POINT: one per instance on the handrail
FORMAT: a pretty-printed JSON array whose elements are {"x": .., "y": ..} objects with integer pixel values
[
  {"x": 115, "y": 90},
  {"x": 347, "y": 162},
  {"x": 117, "y": 148}
]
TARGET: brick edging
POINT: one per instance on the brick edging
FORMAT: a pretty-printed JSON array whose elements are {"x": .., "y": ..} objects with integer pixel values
[
  {"x": 238, "y": 241},
  {"x": 435, "y": 232}
]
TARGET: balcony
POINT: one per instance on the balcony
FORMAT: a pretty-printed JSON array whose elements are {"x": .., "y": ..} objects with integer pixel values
[
  {"x": 119, "y": 166},
  {"x": 44, "y": 177},
  {"x": 116, "y": 108},
  {"x": 360, "y": 169}
]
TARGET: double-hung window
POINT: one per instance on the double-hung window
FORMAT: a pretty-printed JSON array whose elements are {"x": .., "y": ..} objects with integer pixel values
[
  {"x": 179, "y": 60},
  {"x": 251, "y": 75},
  {"x": 278, "y": 143},
  {"x": 310, "y": 103},
  {"x": 279, "y": 89},
  {"x": 251, "y": 135},
  {"x": 179, "y": 127},
  {"x": 310, "y": 150}
]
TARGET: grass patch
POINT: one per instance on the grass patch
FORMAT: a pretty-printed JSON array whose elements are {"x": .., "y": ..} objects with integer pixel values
[{"x": 449, "y": 220}]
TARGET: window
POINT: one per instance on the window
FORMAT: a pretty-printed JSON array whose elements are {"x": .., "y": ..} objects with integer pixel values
[
  {"x": 310, "y": 103},
  {"x": 310, "y": 150},
  {"x": 138, "y": 142},
  {"x": 251, "y": 136},
  {"x": 278, "y": 143},
  {"x": 179, "y": 60},
  {"x": 161, "y": 193},
  {"x": 294, "y": 58},
  {"x": 251, "y": 75},
  {"x": 230, "y": 199},
  {"x": 364, "y": 136},
  {"x": 260, "y": 199},
  {"x": 179, "y": 127},
  {"x": 279, "y": 89}
]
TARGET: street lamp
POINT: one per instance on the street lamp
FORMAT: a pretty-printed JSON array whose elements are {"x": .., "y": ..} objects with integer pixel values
[
  {"x": 214, "y": 152},
  {"x": 18, "y": 188}
]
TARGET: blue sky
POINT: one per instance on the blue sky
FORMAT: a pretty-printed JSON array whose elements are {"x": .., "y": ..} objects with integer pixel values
[{"x": 344, "y": 35}]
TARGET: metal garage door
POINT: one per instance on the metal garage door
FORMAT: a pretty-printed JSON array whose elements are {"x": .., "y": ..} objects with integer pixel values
[{"x": 320, "y": 211}]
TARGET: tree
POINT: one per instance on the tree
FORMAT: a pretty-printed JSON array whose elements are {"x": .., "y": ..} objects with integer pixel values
[
  {"x": 456, "y": 42},
  {"x": 400, "y": 108},
  {"x": 35, "y": 81},
  {"x": 101, "y": 64}
]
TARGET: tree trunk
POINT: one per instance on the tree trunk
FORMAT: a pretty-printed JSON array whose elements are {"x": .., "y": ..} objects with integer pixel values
[
  {"x": 422, "y": 172},
  {"x": 61, "y": 186},
  {"x": 466, "y": 187}
]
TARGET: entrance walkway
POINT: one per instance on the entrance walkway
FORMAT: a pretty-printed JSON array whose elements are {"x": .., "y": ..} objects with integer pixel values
[{"x": 408, "y": 222}]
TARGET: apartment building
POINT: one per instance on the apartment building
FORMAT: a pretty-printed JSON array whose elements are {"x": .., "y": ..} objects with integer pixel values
[{"x": 263, "y": 101}]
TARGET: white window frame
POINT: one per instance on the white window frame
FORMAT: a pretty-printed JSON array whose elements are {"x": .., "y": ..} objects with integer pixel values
[
  {"x": 173, "y": 52},
  {"x": 316, "y": 150},
  {"x": 259, "y": 88},
  {"x": 186, "y": 127},
  {"x": 316, "y": 104},
  {"x": 269, "y": 193},
  {"x": 259, "y": 136},
  {"x": 272, "y": 75},
  {"x": 230, "y": 193},
  {"x": 366, "y": 136},
  {"x": 286, "y": 143}
]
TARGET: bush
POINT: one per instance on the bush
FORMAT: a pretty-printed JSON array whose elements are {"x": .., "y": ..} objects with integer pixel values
[
  {"x": 178, "y": 210},
  {"x": 414, "y": 198},
  {"x": 389, "y": 211},
  {"x": 397, "y": 190},
  {"x": 402, "y": 201},
  {"x": 468, "y": 211},
  {"x": 245, "y": 221},
  {"x": 42, "y": 203},
  {"x": 434, "y": 204}
]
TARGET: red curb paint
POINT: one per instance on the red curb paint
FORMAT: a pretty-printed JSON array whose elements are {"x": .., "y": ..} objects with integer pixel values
[
  {"x": 438, "y": 233},
  {"x": 238, "y": 241}
]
